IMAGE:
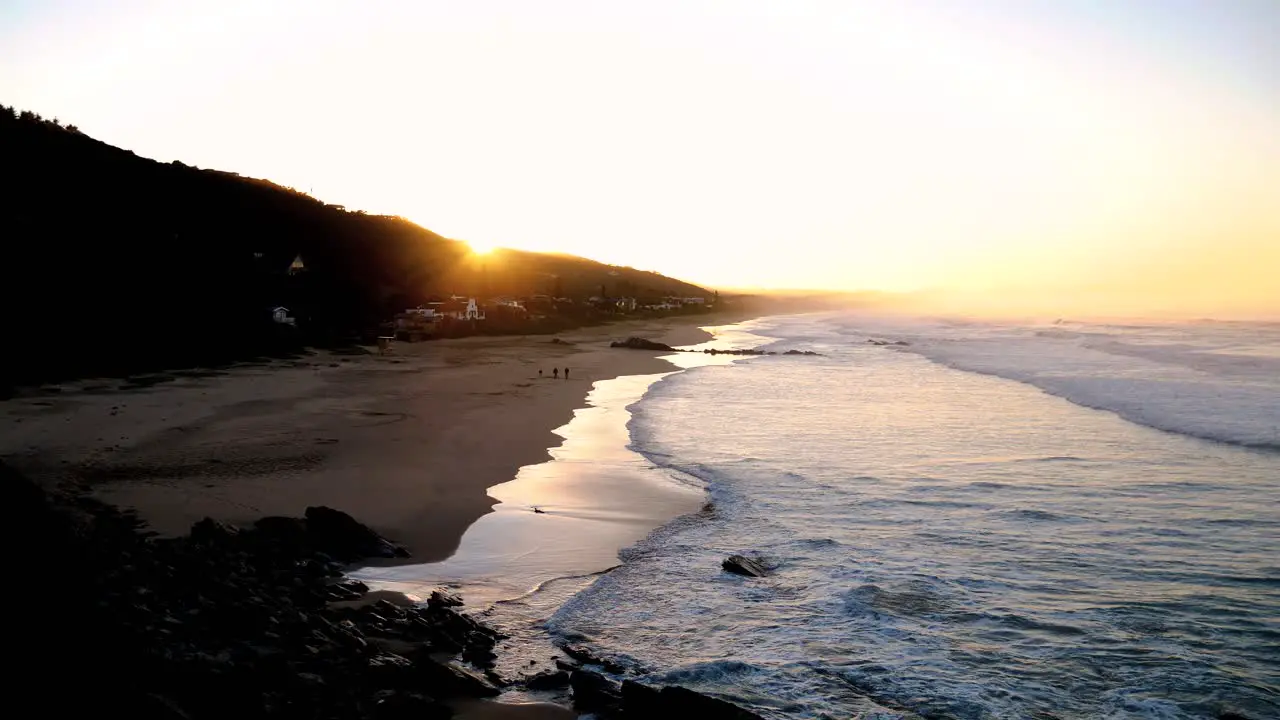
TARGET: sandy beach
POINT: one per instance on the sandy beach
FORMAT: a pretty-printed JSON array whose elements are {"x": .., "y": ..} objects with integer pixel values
[
  {"x": 407, "y": 442},
  {"x": 410, "y": 443}
]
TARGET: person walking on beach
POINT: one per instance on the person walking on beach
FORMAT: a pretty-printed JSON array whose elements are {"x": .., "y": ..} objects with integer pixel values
[
  {"x": 566, "y": 373},
  {"x": 555, "y": 372}
]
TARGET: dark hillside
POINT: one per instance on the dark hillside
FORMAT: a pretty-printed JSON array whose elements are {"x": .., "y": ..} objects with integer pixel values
[{"x": 116, "y": 263}]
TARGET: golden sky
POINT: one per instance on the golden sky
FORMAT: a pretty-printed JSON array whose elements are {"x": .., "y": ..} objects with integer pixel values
[{"x": 1067, "y": 152}]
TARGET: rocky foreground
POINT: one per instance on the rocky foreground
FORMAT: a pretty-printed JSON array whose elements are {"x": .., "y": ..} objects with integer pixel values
[{"x": 254, "y": 622}]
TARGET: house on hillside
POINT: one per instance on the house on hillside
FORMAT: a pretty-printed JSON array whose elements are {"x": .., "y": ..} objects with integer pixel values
[
  {"x": 281, "y": 315},
  {"x": 455, "y": 309}
]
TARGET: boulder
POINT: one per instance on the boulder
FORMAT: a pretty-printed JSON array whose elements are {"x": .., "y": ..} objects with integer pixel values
[
  {"x": 338, "y": 534},
  {"x": 594, "y": 693},
  {"x": 742, "y": 565},
  {"x": 211, "y": 532},
  {"x": 441, "y": 598},
  {"x": 586, "y": 657},
  {"x": 704, "y": 707},
  {"x": 641, "y": 701},
  {"x": 389, "y": 670},
  {"x": 548, "y": 680},
  {"x": 453, "y": 679},
  {"x": 644, "y": 701}
]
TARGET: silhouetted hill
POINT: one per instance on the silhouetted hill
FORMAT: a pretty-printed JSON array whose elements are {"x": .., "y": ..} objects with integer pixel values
[{"x": 117, "y": 263}]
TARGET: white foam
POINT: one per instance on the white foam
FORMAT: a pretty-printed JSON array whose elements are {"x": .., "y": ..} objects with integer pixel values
[{"x": 1219, "y": 382}]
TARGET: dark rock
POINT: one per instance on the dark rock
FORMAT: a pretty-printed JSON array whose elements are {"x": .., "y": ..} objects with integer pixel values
[
  {"x": 274, "y": 527},
  {"x": 742, "y": 565},
  {"x": 389, "y": 670},
  {"x": 440, "y": 598},
  {"x": 594, "y": 693},
  {"x": 644, "y": 701},
  {"x": 479, "y": 655},
  {"x": 210, "y": 531},
  {"x": 397, "y": 705},
  {"x": 586, "y": 657},
  {"x": 338, "y": 534},
  {"x": 639, "y": 343},
  {"x": 549, "y": 680},
  {"x": 641, "y": 700},
  {"x": 454, "y": 679},
  {"x": 703, "y": 707},
  {"x": 224, "y": 622},
  {"x": 153, "y": 706}
]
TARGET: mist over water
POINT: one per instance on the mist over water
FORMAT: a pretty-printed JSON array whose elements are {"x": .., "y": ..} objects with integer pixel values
[{"x": 985, "y": 544}]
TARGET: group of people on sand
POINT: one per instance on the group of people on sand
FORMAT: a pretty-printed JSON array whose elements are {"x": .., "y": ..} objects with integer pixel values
[{"x": 555, "y": 373}]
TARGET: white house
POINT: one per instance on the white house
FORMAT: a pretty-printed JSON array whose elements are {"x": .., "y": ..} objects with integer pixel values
[
  {"x": 458, "y": 311},
  {"x": 281, "y": 315}
]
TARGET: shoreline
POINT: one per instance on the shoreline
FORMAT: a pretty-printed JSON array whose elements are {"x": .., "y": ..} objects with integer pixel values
[
  {"x": 234, "y": 445},
  {"x": 409, "y": 443}
]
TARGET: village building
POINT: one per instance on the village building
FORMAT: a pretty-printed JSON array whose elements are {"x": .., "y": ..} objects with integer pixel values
[
  {"x": 457, "y": 309},
  {"x": 281, "y": 315}
]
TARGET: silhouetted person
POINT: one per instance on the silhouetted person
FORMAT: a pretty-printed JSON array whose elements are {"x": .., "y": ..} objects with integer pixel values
[
  {"x": 539, "y": 372},
  {"x": 555, "y": 372},
  {"x": 566, "y": 373}
]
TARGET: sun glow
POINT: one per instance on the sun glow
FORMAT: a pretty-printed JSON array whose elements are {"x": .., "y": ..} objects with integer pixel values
[{"x": 479, "y": 247}]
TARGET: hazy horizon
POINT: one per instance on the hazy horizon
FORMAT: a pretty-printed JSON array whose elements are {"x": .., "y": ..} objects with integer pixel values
[{"x": 1006, "y": 157}]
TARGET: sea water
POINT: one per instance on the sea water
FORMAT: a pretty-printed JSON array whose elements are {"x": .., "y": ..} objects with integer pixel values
[{"x": 1059, "y": 520}]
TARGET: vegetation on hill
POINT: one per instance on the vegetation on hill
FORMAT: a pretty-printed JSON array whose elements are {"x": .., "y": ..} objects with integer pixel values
[{"x": 118, "y": 263}]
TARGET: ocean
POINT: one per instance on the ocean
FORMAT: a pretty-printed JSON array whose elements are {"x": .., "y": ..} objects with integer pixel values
[{"x": 992, "y": 520}]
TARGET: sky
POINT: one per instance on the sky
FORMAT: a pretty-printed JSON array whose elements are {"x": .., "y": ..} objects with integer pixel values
[{"x": 1115, "y": 155}]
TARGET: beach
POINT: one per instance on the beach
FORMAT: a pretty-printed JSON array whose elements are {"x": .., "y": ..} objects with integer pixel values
[{"x": 406, "y": 442}]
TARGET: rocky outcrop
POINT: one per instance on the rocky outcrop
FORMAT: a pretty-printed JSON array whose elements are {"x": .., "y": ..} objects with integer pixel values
[
  {"x": 253, "y": 622},
  {"x": 747, "y": 351},
  {"x": 338, "y": 534},
  {"x": 640, "y": 700},
  {"x": 605, "y": 698},
  {"x": 595, "y": 691},
  {"x": 742, "y": 565},
  {"x": 639, "y": 343}
]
